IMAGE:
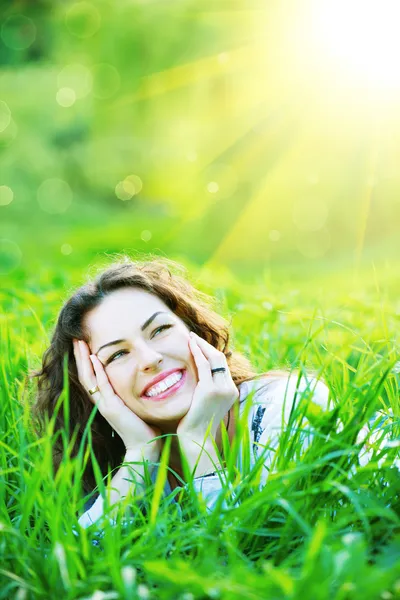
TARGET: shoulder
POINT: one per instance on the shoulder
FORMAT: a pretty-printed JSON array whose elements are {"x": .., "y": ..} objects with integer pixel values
[
  {"x": 272, "y": 399},
  {"x": 281, "y": 391}
]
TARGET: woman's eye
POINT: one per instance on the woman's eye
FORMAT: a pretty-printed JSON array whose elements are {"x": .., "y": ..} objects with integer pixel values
[
  {"x": 123, "y": 352},
  {"x": 116, "y": 355},
  {"x": 160, "y": 329}
]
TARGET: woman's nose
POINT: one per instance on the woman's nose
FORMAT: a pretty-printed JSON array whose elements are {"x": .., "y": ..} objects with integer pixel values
[{"x": 148, "y": 358}]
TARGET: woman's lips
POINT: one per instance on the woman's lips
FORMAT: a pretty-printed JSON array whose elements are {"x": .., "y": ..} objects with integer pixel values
[{"x": 174, "y": 388}]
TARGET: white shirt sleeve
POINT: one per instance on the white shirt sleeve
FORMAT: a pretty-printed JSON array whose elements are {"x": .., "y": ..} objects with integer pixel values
[
  {"x": 375, "y": 432},
  {"x": 210, "y": 486},
  {"x": 273, "y": 405},
  {"x": 94, "y": 514},
  {"x": 90, "y": 516}
]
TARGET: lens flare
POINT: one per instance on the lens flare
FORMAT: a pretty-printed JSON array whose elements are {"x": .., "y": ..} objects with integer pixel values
[{"x": 362, "y": 36}]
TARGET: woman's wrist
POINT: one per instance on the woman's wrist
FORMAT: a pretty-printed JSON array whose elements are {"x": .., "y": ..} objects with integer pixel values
[
  {"x": 145, "y": 452},
  {"x": 135, "y": 459},
  {"x": 201, "y": 452},
  {"x": 198, "y": 434}
]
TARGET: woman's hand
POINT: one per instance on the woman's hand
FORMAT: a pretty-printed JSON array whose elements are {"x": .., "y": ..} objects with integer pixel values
[
  {"x": 214, "y": 395},
  {"x": 134, "y": 432}
]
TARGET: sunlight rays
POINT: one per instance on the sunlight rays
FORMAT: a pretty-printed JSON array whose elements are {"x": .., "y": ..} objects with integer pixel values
[
  {"x": 188, "y": 74},
  {"x": 305, "y": 86}
]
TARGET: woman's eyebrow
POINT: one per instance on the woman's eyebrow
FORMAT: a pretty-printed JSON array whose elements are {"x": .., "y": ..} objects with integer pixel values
[
  {"x": 143, "y": 327},
  {"x": 114, "y": 343},
  {"x": 148, "y": 322}
]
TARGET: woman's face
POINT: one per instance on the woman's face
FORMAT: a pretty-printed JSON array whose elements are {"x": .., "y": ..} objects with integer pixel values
[{"x": 138, "y": 338}]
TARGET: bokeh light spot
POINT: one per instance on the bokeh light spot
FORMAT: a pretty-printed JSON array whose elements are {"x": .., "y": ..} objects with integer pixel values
[
  {"x": 66, "y": 249},
  {"x": 77, "y": 78},
  {"x": 310, "y": 215},
  {"x": 83, "y": 19},
  {"x": 8, "y": 135},
  {"x": 18, "y": 32},
  {"x": 106, "y": 81},
  {"x": 212, "y": 187},
  {"x": 54, "y": 196},
  {"x": 274, "y": 235},
  {"x": 66, "y": 97},
  {"x": 146, "y": 235},
  {"x": 221, "y": 178},
  {"x": 124, "y": 191},
  {"x": 129, "y": 187},
  {"x": 5, "y": 116},
  {"x": 136, "y": 182},
  {"x": 10, "y": 256},
  {"x": 6, "y": 195}
]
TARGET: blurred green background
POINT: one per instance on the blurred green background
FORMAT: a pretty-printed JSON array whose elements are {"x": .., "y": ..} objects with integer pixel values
[{"x": 237, "y": 135}]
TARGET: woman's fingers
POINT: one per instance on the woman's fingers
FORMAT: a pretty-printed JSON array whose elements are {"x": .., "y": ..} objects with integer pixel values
[
  {"x": 213, "y": 358},
  {"x": 103, "y": 383},
  {"x": 84, "y": 366},
  {"x": 210, "y": 358},
  {"x": 88, "y": 375},
  {"x": 202, "y": 364},
  {"x": 111, "y": 406},
  {"x": 78, "y": 359},
  {"x": 132, "y": 430}
]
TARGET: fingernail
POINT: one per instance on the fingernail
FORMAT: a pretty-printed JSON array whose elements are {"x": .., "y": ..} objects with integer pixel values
[{"x": 91, "y": 356}]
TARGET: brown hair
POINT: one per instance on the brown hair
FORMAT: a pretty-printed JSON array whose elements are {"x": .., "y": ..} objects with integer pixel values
[{"x": 159, "y": 276}]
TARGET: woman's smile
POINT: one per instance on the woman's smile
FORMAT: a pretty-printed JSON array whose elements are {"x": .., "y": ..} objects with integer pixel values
[{"x": 174, "y": 382}]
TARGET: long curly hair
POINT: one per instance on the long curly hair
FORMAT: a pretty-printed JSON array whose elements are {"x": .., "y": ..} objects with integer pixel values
[{"x": 159, "y": 276}]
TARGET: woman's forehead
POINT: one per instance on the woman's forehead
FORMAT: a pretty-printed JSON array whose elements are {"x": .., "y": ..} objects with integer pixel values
[{"x": 122, "y": 309}]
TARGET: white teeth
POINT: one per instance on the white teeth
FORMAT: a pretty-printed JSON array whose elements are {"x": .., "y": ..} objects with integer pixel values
[{"x": 164, "y": 384}]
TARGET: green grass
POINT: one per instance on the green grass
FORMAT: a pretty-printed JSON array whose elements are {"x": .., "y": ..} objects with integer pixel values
[{"x": 323, "y": 527}]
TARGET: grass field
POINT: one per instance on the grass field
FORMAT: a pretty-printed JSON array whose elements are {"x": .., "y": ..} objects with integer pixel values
[
  {"x": 325, "y": 526},
  {"x": 258, "y": 143}
]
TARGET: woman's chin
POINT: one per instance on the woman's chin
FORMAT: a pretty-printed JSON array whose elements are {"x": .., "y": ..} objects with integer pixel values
[
  {"x": 178, "y": 414},
  {"x": 165, "y": 417},
  {"x": 167, "y": 412}
]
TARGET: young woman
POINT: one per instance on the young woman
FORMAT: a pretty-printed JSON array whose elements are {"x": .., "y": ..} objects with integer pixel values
[{"x": 149, "y": 351}]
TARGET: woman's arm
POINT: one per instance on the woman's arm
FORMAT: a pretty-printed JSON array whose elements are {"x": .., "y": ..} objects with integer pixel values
[
  {"x": 200, "y": 453},
  {"x": 141, "y": 441},
  {"x": 128, "y": 479}
]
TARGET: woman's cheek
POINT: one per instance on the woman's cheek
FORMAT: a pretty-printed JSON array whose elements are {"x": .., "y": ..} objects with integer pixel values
[{"x": 116, "y": 378}]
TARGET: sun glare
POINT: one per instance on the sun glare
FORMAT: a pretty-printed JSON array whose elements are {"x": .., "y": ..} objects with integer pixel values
[{"x": 362, "y": 36}]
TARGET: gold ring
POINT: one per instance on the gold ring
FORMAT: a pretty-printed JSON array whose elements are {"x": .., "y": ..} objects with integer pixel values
[{"x": 94, "y": 390}]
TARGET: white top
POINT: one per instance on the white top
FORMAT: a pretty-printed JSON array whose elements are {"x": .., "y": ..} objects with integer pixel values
[
  {"x": 272, "y": 400},
  {"x": 268, "y": 416}
]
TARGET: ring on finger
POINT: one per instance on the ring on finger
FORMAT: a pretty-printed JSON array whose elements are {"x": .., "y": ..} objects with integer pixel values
[{"x": 94, "y": 390}]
